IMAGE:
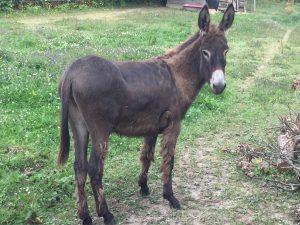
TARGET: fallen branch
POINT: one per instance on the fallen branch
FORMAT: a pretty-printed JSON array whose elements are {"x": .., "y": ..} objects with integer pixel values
[{"x": 271, "y": 157}]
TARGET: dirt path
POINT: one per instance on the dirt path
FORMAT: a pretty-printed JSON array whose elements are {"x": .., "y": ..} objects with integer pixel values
[
  {"x": 96, "y": 15},
  {"x": 267, "y": 58}
]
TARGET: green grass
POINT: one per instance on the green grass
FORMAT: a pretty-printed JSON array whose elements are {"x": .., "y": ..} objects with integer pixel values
[{"x": 33, "y": 56}]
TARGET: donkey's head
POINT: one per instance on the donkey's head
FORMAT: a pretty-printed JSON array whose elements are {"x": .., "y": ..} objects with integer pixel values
[{"x": 214, "y": 47}]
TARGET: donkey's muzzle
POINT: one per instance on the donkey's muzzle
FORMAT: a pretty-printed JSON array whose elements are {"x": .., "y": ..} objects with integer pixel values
[
  {"x": 217, "y": 82},
  {"x": 218, "y": 89}
]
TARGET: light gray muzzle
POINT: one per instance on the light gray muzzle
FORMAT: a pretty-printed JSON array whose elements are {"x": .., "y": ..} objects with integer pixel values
[{"x": 217, "y": 82}]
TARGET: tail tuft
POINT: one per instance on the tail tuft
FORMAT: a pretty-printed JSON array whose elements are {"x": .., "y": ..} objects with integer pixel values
[{"x": 64, "y": 149}]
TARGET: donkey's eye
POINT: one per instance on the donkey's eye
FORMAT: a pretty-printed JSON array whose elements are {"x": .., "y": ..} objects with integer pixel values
[{"x": 206, "y": 54}]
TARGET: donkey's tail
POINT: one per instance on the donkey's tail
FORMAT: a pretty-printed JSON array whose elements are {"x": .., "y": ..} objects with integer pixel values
[{"x": 64, "y": 148}]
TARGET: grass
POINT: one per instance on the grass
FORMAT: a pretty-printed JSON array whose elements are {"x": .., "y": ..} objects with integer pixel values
[{"x": 34, "y": 55}]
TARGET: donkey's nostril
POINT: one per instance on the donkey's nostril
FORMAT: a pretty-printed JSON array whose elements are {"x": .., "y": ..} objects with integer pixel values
[{"x": 218, "y": 88}]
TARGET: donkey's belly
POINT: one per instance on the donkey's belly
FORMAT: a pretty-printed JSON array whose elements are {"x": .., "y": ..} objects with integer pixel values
[{"x": 143, "y": 126}]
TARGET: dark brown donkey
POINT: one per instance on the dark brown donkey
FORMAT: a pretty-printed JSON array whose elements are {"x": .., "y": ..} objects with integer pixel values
[{"x": 141, "y": 99}]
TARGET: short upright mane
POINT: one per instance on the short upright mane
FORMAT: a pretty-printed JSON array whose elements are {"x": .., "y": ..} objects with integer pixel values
[
  {"x": 182, "y": 46},
  {"x": 213, "y": 30}
]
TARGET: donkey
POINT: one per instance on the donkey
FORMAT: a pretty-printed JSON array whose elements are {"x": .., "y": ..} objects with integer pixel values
[{"x": 140, "y": 99}]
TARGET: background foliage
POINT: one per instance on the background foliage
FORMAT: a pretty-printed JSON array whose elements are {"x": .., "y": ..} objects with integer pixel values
[{"x": 9, "y": 5}]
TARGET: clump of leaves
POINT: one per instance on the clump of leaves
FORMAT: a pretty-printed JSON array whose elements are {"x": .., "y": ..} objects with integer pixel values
[
  {"x": 32, "y": 218},
  {"x": 296, "y": 84},
  {"x": 277, "y": 165}
]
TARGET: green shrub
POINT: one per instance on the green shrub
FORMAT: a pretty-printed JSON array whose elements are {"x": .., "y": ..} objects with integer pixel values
[
  {"x": 34, "y": 9},
  {"x": 98, "y": 3},
  {"x": 6, "y": 5},
  {"x": 35, "y": 6}
]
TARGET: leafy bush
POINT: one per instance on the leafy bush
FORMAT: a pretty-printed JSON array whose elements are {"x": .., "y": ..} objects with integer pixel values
[
  {"x": 9, "y": 5},
  {"x": 35, "y": 6},
  {"x": 6, "y": 5},
  {"x": 34, "y": 9},
  {"x": 102, "y": 3},
  {"x": 98, "y": 3}
]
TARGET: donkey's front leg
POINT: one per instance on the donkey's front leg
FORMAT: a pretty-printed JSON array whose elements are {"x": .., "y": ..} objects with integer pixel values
[
  {"x": 147, "y": 156},
  {"x": 169, "y": 139}
]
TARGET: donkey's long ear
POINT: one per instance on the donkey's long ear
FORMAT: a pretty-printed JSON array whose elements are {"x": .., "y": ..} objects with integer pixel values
[
  {"x": 204, "y": 19},
  {"x": 228, "y": 18}
]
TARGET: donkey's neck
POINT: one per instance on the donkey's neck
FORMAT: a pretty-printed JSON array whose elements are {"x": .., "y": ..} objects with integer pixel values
[{"x": 184, "y": 62}]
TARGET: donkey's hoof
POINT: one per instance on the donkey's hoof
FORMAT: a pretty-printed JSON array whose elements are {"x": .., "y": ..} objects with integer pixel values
[
  {"x": 145, "y": 191},
  {"x": 109, "y": 219},
  {"x": 87, "y": 221},
  {"x": 174, "y": 203}
]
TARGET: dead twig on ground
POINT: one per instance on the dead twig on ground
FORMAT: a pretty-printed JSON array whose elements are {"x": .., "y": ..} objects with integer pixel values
[{"x": 269, "y": 162}]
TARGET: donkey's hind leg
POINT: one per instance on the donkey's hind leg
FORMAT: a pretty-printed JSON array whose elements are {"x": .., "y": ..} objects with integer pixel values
[
  {"x": 168, "y": 144},
  {"x": 81, "y": 137},
  {"x": 96, "y": 163},
  {"x": 147, "y": 155}
]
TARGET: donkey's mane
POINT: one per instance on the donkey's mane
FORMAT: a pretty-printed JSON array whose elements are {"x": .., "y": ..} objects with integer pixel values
[
  {"x": 213, "y": 30},
  {"x": 182, "y": 46}
]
